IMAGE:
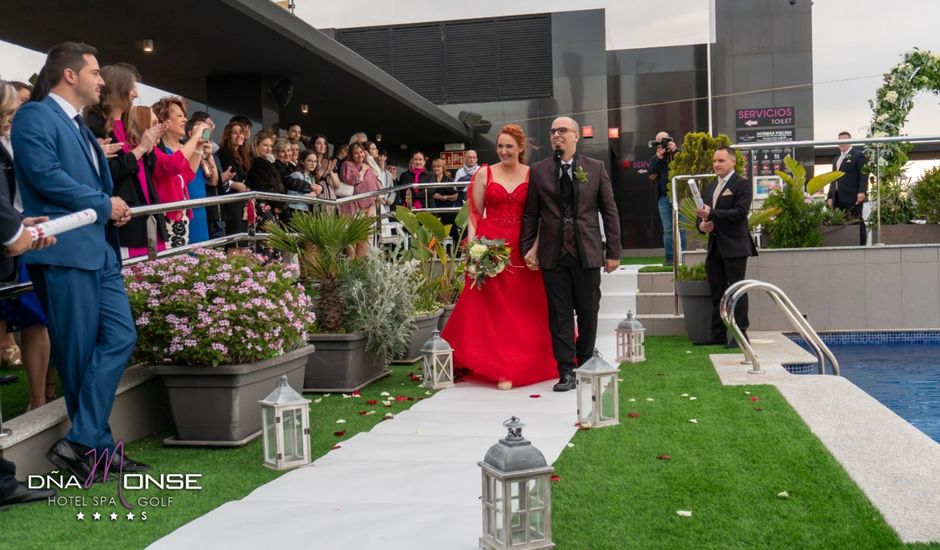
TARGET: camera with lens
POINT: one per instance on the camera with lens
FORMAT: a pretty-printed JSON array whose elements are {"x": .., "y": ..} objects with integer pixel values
[{"x": 664, "y": 143}]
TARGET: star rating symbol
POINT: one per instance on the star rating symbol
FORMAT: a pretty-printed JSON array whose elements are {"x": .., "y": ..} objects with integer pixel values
[
  {"x": 130, "y": 516},
  {"x": 97, "y": 516},
  {"x": 80, "y": 516},
  {"x": 113, "y": 516}
]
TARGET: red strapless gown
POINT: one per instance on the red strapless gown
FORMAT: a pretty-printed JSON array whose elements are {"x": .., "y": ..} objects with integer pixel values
[{"x": 500, "y": 331}]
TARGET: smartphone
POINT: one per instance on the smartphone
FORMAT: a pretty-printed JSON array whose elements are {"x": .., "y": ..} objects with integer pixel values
[{"x": 206, "y": 134}]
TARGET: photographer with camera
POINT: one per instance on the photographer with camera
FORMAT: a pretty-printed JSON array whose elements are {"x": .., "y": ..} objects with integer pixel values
[{"x": 659, "y": 172}]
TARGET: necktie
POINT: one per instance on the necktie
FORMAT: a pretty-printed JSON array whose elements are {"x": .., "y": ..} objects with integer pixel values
[
  {"x": 89, "y": 140},
  {"x": 718, "y": 189},
  {"x": 841, "y": 158}
]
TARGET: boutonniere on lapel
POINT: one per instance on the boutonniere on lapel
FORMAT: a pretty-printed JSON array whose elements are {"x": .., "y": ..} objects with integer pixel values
[{"x": 580, "y": 175}]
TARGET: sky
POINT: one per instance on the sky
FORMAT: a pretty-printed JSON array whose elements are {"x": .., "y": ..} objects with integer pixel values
[{"x": 854, "y": 43}]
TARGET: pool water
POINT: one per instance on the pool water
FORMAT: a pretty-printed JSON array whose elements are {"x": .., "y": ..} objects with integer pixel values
[{"x": 905, "y": 377}]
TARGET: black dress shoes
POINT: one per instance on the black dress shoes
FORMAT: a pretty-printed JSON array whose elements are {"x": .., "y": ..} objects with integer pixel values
[
  {"x": 8, "y": 379},
  {"x": 24, "y": 495},
  {"x": 565, "y": 383},
  {"x": 71, "y": 456},
  {"x": 129, "y": 465}
]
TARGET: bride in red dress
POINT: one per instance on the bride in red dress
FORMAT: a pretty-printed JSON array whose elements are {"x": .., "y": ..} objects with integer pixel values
[{"x": 499, "y": 331}]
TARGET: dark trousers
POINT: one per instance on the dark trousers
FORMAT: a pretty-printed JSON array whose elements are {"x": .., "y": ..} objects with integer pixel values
[
  {"x": 571, "y": 288},
  {"x": 854, "y": 212},
  {"x": 93, "y": 336},
  {"x": 8, "y": 481},
  {"x": 722, "y": 273}
]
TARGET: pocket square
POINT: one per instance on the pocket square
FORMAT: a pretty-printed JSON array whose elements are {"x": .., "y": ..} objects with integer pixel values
[{"x": 727, "y": 193}]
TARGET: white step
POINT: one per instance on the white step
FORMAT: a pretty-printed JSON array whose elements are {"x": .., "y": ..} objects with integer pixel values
[
  {"x": 623, "y": 279},
  {"x": 663, "y": 324},
  {"x": 656, "y": 302},
  {"x": 618, "y": 302},
  {"x": 655, "y": 282}
]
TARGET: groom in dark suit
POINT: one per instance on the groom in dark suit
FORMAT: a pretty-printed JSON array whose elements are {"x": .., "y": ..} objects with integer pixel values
[
  {"x": 62, "y": 169},
  {"x": 561, "y": 236},
  {"x": 727, "y": 203},
  {"x": 849, "y": 192}
]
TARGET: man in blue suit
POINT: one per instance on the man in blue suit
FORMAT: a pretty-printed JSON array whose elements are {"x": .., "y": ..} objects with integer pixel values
[{"x": 79, "y": 282}]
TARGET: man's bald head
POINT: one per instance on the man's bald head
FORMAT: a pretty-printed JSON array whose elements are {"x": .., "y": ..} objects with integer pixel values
[
  {"x": 567, "y": 122},
  {"x": 660, "y": 136},
  {"x": 564, "y": 135}
]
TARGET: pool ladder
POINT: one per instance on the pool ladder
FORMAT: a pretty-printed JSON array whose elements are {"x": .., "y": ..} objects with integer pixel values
[{"x": 736, "y": 291}]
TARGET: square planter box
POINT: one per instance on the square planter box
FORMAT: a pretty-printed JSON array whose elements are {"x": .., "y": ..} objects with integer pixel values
[
  {"x": 696, "y": 298},
  {"x": 218, "y": 406},
  {"x": 342, "y": 364},
  {"x": 840, "y": 235},
  {"x": 909, "y": 233},
  {"x": 424, "y": 327}
]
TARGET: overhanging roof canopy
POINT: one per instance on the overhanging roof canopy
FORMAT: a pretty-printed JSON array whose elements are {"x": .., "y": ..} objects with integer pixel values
[{"x": 208, "y": 38}]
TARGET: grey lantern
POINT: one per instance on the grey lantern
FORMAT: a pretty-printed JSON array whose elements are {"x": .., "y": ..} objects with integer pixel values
[
  {"x": 285, "y": 420},
  {"x": 437, "y": 363},
  {"x": 631, "y": 347},
  {"x": 517, "y": 499},
  {"x": 598, "y": 399}
]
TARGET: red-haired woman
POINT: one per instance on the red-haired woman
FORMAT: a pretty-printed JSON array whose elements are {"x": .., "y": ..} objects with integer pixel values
[{"x": 500, "y": 331}]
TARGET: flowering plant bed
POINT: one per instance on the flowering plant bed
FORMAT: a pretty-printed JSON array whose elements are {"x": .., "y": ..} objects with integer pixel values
[{"x": 209, "y": 309}]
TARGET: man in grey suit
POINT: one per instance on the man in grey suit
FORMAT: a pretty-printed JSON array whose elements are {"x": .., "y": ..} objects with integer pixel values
[{"x": 561, "y": 236}]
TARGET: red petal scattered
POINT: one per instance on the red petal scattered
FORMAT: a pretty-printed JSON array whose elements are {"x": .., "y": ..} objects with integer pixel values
[
  {"x": 633, "y": 415},
  {"x": 577, "y": 424},
  {"x": 401, "y": 398},
  {"x": 336, "y": 447},
  {"x": 356, "y": 394},
  {"x": 758, "y": 409},
  {"x": 555, "y": 478},
  {"x": 535, "y": 396},
  {"x": 340, "y": 433},
  {"x": 363, "y": 413},
  {"x": 411, "y": 399},
  {"x": 664, "y": 457},
  {"x": 371, "y": 402},
  {"x": 755, "y": 398}
]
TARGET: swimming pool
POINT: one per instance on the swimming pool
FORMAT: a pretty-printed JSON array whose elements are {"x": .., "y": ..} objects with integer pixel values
[{"x": 900, "y": 369}]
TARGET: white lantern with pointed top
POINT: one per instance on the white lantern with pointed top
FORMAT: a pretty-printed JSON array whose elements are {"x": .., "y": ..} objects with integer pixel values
[
  {"x": 285, "y": 421},
  {"x": 598, "y": 393},
  {"x": 517, "y": 499},
  {"x": 631, "y": 347},
  {"x": 437, "y": 363}
]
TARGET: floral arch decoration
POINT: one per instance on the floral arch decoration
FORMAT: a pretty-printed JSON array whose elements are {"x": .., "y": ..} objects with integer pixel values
[{"x": 919, "y": 71}]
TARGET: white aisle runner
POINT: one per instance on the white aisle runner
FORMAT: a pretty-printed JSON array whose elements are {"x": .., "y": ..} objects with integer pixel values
[{"x": 410, "y": 483}]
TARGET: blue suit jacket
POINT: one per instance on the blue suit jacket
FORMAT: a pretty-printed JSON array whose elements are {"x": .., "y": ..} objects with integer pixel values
[{"x": 57, "y": 177}]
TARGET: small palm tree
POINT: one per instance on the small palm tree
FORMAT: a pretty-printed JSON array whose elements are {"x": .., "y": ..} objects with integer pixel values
[{"x": 320, "y": 241}]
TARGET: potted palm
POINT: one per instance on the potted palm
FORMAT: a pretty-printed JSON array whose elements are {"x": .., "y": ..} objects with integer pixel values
[
  {"x": 220, "y": 331},
  {"x": 343, "y": 361}
]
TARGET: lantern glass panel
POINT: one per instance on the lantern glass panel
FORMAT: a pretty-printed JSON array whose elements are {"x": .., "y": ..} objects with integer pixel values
[
  {"x": 297, "y": 434},
  {"x": 536, "y": 493},
  {"x": 537, "y": 525},
  {"x": 586, "y": 400},
  {"x": 608, "y": 399},
  {"x": 290, "y": 444},
  {"x": 270, "y": 435}
]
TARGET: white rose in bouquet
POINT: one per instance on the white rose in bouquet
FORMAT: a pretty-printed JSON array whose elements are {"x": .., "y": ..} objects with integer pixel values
[
  {"x": 477, "y": 251},
  {"x": 891, "y": 96}
]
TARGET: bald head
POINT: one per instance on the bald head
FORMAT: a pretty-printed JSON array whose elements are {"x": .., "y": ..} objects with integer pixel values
[
  {"x": 660, "y": 136},
  {"x": 564, "y": 134}
]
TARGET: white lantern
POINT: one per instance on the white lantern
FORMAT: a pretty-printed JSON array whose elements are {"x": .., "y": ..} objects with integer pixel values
[
  {"x": 438, "y": 363},
  {"x": 517, "y": 503},
  {"x": 630, "y": 340},
  {"x": 598, "y": 393},
  {"x": 285, "y": 420}
]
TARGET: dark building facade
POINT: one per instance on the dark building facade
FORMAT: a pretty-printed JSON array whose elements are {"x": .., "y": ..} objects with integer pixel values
[{"x": 498, "y": 69}]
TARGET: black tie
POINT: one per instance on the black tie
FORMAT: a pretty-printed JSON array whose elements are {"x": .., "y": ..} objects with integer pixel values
[{"x": 89, "y": 140}]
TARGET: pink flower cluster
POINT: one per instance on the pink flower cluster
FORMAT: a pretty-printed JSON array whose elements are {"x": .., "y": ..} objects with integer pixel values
[{"x": 209, "y": 309}]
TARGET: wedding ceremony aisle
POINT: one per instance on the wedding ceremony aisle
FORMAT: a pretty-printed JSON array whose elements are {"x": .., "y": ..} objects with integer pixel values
[{"x": 412, "y": 478}]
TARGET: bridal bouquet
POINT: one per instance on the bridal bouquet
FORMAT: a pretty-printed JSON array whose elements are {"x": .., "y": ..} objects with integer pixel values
[{"x": 486, "y": 258}]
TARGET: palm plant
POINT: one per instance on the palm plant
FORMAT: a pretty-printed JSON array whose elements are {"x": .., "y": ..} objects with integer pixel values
[
  {"x": 320, "y": 241},
  {"x": 428, "y": 235}
]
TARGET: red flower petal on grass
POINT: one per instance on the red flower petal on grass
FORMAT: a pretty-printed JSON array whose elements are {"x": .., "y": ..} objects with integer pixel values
[
  {"x": 356, "y": 394},
  {"x": 555, "y": 478},
  {"x": 363, "y": 413},
  {"x": 372, "y": 402},
  {"x": 633, "y": 415},
  {"x": 664, "y": 457},
  {"x": 755, "y": 398},
  {"x": 401, "y": 398},
  {"x": 340, "y": 433},
  {"x": 336, "y": 447},
  {"x": 535, "y": 396}
]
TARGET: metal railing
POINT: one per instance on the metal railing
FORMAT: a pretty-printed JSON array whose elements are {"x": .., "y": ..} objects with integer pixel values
[{"x": 738, "y": 290}]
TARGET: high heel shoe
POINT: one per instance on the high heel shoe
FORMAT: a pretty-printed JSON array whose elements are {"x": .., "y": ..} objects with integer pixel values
[
  {"x": 504, "y": 385},
  {"x": 11, "y": 356}
]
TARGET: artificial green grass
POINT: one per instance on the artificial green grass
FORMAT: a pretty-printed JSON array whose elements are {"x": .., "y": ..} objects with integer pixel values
[
  {"x": 656, "y": 269},
  {"x": 227, "y": 474},
  {"x": 14, "y": 397},
  {"x": 642, "y": 260},
  {"x": 614, "y": 493}
]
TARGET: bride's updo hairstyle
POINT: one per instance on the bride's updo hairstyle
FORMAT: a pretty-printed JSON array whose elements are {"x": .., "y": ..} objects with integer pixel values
[{"x": 516, "y": 133}]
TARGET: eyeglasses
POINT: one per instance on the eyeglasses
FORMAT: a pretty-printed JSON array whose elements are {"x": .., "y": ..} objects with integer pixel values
[{"x": 559, "y": 131}]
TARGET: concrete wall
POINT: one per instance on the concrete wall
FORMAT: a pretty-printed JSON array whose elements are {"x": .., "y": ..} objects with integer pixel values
[{"x": 884, "y": 287}]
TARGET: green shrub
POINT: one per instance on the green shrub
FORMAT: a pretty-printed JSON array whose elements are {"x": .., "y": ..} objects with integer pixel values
[
  {"x": 691, "y": 273},
  {"x": 894, "y": 205},
  {"x": 378, "y": 299},
  {"x": 799, "y": 218},
  {"x": 927, "y": 196}
]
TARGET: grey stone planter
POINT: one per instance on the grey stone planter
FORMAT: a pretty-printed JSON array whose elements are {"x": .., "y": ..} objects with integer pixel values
[
  {"x": 423, "y": 329},
  {"x": 909, "y": 233},
  {"x": 840, "y": 235},
  {"x": 442, "y": 322},
  {"x": 218, "y": 406},
  {"x": 696, "y": 300},
  {"x": 342, "y": 364}
]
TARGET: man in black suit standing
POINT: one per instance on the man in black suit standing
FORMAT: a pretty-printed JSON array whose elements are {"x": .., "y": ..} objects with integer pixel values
[
  {"x": 849, "y": 192},
  {"x": 723, "y": 216}
]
